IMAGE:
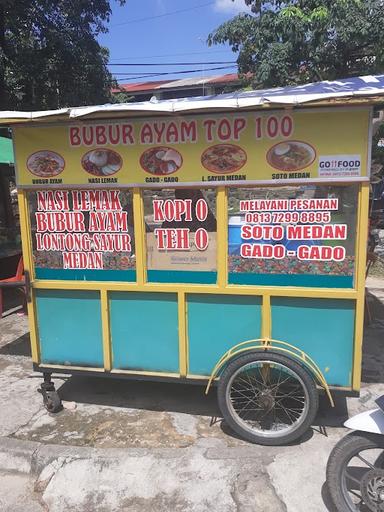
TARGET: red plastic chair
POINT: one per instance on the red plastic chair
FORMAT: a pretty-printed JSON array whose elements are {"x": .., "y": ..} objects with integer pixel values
[{"x": 18, "y": 281}]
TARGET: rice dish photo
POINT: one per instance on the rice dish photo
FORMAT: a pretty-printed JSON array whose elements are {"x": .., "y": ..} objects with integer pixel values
[
  {"x": 45, "y": 163},
  {"x": 223, "y": 158},
  {"x": 102, "y": 162},
  {"x": 291, "y": 155}
]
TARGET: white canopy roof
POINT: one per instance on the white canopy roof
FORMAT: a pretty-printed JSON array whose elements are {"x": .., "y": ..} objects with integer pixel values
[{"x": 364, "y": 89}]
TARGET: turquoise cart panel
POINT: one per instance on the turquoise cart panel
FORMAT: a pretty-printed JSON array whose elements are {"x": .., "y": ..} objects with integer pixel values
[
  {"x": 85, "y": 274},
  {"x": 216, "y": 323},
  {"x": 181, "y": 276},
  {"x": 323, "y": 328},
  {"x": 144, "y": 331},
  {"x": 69, "y": 325},
  {"x": 308, "y": 280}
]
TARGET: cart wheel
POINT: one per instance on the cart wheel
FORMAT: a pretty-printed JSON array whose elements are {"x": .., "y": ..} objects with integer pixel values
[
  {"x": 267, "y": 398},
  {"x": 52, "y": 401}
]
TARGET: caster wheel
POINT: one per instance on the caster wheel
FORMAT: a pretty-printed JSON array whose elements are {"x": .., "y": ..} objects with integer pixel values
[{"x": 52, "y": 401}]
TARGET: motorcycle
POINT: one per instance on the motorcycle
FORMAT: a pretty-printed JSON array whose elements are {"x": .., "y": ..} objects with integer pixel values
[{"x": 355, "y": 469}]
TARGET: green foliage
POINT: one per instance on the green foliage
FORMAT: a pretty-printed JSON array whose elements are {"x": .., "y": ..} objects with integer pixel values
[
  {"x": 49, "y": 54},
  {"x": 121, "y": 96},
  {"x": 297, "y": 41}
]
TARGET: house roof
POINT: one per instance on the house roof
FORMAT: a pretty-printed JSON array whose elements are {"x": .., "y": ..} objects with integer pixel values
[
  {"x": 350, "y": 91},
  {"x": 173, "y": 84},
  {"x": 141, "y": 86}
]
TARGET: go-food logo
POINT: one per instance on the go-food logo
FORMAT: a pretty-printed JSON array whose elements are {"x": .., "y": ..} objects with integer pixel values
[{"x": 339, "y": 165}]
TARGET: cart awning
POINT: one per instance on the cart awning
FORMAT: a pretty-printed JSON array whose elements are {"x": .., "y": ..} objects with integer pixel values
[
  {"x": 359, "y": 90},
  {"x": 6, "y": 151}
]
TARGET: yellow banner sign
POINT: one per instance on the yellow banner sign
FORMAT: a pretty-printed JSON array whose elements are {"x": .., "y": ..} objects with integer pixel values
[{"x": 216, "y": 149}]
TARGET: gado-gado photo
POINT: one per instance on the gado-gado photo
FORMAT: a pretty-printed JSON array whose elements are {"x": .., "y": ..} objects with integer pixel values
[
  {"x": 161, "y": 160},
  {"x": 223, "y": 158},
  {"x": 291, "y": 155},
  {"x": 45, "y": 163},
  {"x": 102, "y": 162}
]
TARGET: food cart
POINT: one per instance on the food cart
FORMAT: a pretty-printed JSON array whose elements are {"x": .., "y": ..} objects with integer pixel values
[{"x": 205, "y": 240}]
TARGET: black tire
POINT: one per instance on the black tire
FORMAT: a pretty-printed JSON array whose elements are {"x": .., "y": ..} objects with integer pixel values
[
  {"x": 52, "y": 401},
  {"x": 341, "y": 454},
  {"x": 237, "y": 424}
]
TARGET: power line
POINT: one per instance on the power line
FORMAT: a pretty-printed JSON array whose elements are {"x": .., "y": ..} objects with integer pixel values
[
  {"x": 175, "y": 73},
  {"x": 170, "y": 55},
  {"x": 150, "y": 73},
  {"x": 138, "y": 20},
  {"x": 154, "y": 73},
  {"x": 175, "y": 63}
]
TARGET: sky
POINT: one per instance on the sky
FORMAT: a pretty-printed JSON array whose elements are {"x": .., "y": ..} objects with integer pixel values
[{"x": 151, "y": 32}]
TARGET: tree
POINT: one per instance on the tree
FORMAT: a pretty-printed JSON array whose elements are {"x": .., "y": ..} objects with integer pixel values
[
  {"x": 296, "y": 41},
  {"x": 49, "y": 54}
]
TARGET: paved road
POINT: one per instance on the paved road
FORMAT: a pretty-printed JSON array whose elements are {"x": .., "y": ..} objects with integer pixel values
[{"x": 127, "y": 446}]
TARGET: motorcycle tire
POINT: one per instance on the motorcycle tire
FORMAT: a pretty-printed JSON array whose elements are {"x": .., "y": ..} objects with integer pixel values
[{"x": 342, "y": 453}]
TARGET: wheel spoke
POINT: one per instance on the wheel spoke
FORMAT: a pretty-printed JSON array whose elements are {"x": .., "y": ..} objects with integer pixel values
[
  {"x": 291, "y": 398},
  {"x": 291, "y": 393},
  {"x": 357, "y": 495},
  {"x": 254, "y": 409},
  {"x": 295, "y": 410},
  {"x": 289, "y": 414},
  {"x": 350, "y": 477},
  {"x": 240, "y": 400},
  {"x": 241, "y": 391},
  {"x": 240, "y": 387},
  {"x": 245, "y": 408},
  {"x": 247, "y": 383},
  {"x": 279, "y": 380},
  {"x": 247, "y": 403},
  {"x": 281, "y": 383},
  {"x": 365, "y": 461},
  {"x": 252, "y": 377},
  {"x": 247, "y": 400},
  {"x": 244, "y": 382}
]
